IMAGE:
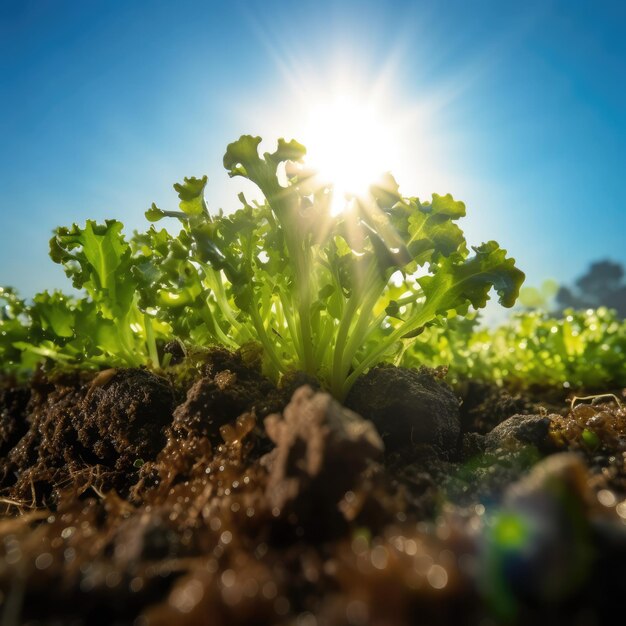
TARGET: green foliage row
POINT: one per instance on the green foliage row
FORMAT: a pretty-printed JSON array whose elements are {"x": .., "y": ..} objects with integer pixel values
[
  {"x": 331, "y": 295},
  {"x": 580, "y": 350}
]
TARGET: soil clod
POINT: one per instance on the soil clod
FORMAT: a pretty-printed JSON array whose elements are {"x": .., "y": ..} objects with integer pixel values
[
  {"x": 519, "y": 431},
  {"x": 321, "y": 451},
  {"x": 408, "y": 407}
]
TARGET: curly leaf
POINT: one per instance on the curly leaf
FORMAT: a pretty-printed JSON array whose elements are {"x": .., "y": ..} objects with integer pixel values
[
  {"x": 242, "y": 159},
  {"x": 453, "y": 284},
  {"x": 97, "y": 257},
  {"x": 431, "y": 229},
  {"x": 154, "y": 214},
  {"x": 191, "y": 194}
]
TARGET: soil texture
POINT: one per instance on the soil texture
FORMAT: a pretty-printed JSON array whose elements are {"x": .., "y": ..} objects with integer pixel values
[{"x": 209, "y": 496}]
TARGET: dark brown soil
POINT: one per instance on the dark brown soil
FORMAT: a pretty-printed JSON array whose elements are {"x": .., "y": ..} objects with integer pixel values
[
  {"x": 77, "y": 429},
  {"x": 485, "y": 405},
  {"x": 408, "y": 407},
  {"x": 212, "y": 497}
]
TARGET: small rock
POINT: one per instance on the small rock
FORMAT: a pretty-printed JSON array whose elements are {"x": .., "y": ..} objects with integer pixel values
[{"x": 519, "y": 431}]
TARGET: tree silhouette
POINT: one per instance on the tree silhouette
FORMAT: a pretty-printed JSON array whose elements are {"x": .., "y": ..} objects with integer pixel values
[{"x": 602, "y": 285}]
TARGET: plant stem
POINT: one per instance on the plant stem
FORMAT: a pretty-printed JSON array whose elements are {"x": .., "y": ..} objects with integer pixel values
[
  {"x": 422, "y": 317},
  {"x": 150, "y": 341}
]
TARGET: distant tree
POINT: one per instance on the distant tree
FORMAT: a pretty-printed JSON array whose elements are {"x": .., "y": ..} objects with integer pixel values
[{"x": 602, "y": 285}]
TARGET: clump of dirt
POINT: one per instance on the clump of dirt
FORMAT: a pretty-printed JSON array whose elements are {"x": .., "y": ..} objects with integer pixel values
[
  {"x": 417, "y": 415},
  {"x": 227, "y": 392},
  {"x": 218, "y": 384},
  {"x": 485, "y": 405},
  {"x": 408, "y": 407},
  {"x": 124, "y": 419},
  {"x": 321, "y": 451},
  {"x": 95, "y": 429},
  {"x": 597, "y": 431},
  {"x": 48, "y": 452},
  {"x": 592, "y": 427},
  {"x": 214, "y": 401},
  {"x": 519, "y": 431}
]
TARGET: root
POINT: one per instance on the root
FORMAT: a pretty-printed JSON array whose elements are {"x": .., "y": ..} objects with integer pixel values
[
  {"x": 595, "y": 397},
  {"x": 18, "y": 504}
]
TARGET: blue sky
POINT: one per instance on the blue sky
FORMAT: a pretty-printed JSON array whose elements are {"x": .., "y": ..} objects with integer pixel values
[{"x": 518, "y": 108}]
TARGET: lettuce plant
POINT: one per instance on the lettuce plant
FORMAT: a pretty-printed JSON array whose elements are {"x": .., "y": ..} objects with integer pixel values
[
  {"x": 581, "y": 350},
  {"x": 105, "y": 326},
  {"x": 327, "y": 294}
]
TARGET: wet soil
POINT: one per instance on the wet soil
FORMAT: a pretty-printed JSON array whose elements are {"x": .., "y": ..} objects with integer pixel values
[{"x": 207, "y": 495}]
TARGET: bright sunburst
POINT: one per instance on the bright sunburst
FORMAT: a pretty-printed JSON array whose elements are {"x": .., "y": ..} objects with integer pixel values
[
  {"x": 356, "y": 125},
  {"x": 350, "y": 143}
]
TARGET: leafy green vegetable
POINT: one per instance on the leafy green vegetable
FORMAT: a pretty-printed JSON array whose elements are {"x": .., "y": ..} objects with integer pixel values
[
  {"x": 328, "y": 294},
  {"x": 105, "y": 327},
  {"x": 332, "y": 294},
  {"x": 581, "y": 350},
  {"x": 47, "y": 328}
]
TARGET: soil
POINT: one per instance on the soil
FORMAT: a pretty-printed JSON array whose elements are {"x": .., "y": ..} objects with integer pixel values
[{"x": 210, "y": 496}]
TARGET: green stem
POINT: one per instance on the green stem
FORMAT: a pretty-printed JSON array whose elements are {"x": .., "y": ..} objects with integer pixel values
[
  {"x": 214, "y": 280},
  {"x": 421, "y": 318},
  {"x": 267, "y": 344},
  {"x": 324, "y": 342},
  {"x": 298, "y": 253},
  {"x": 216, "y": 330},
  {"x": 292, "y": 326},
  {"x": 150, "y": 341},
  {"x": 303, "y": 285},
  {"x": 359, "y": 331},
  {"x": 128, "y": 345},
  {"x": 342, "y": 335}
]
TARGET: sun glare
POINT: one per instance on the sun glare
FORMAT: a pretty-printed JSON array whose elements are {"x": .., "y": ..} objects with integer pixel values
[
  {"x": 350, "y": 144},
  {"x": 357, "y": 126}
]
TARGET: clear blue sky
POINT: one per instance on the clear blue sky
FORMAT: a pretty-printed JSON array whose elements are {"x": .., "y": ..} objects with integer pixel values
[{"x": 106, "y": 103}]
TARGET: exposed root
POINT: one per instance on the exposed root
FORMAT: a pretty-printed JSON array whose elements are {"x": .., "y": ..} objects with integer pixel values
[
  {"x": 18, "y": 504},
  {"x": 596, "y": 397}
]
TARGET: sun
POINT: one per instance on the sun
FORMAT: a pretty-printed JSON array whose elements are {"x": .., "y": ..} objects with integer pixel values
[{"x": 350, "y": 143}]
